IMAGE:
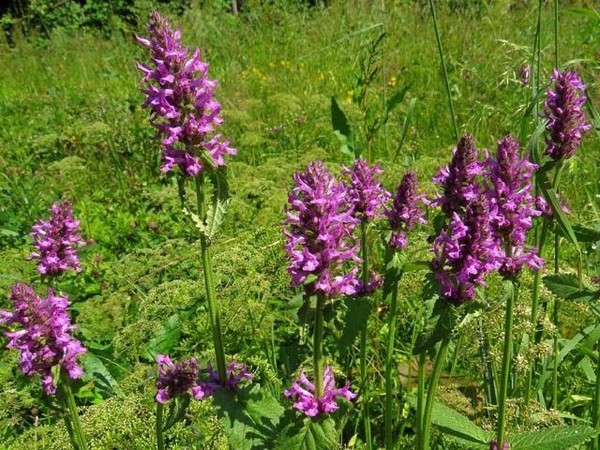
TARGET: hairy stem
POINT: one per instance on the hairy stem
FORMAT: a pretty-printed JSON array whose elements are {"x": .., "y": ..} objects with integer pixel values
[
  {"x": 70, "y": 411},
  {"x": 363, "y": 337},
  {"x": 420, "y": 398},
  {"x": 318, "y": 346},
  {"x": 213, "y": 305},
  {"x": 390, "y": 367},
  {"x": 440, "y": 358},
  {"x": 160, "y": 439}
]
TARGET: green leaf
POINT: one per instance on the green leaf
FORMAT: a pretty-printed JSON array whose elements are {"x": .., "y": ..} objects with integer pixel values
[
  {"x": 448, "y": 317},
  {"x": 310, "y": 434},
  {"x": 95, "y": 370},
  {"x": 249, "y": 416},
  {"x": 555, "y": 438},
  {"x": 588, "y": 12},
  {"x": 177, "y": 409},
  {"x": 405, "y": 126},
  {"x": 165, "y": 339},
  {"x": 567, "y": 287},
  {"x": 356, "y": 318},
  {"x": 342, "y": 129},
  {"x": 219, "y": 202},
  {"x": 559, "y": 216},
  {"x": 584, "y": 234}
]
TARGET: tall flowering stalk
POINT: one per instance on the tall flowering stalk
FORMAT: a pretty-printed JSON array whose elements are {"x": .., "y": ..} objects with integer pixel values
[
  {"x": 42, "y": 333},
  {"x": 56, "y": 241},
  {"x": 319, "y": 243},
  {"x": 509, "y": 191},
  {"x": 406, "y": 211},
  {"x": 368, "y": 198},
  {"x": 465, "y": 251},
  {"x": 186, "y": 116}
]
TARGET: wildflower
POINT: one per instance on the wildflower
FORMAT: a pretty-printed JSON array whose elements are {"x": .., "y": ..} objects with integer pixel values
[
  {"x": 303, "y": 392},
  {"x": 365, "y": 191},
  {"x": 405, "y": 211},
  {"x": 43, "y": 336},
  {"x": 564, "y": 114},
  {"x": 509, "y": 191},
  {"x": 236, "y": 373},
  {"x": 465, "y": 251},
  {"x": 494, "y": 445},
  {"x": 56, "y": 241},
  {"x": 180, "y": 95},
  {"x": 458, "y": 178},
  {"x": 176, "y": 379},
  {"x": 319, "y": 239}
]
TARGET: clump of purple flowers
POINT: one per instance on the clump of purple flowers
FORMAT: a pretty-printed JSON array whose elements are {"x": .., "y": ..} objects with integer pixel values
[
  {"x": 405, "y": 211},
  {"x": 176, "y": 379},
  {"x": 465, "y": 252},
  {"x": 564, "y": 114},
  {"x": 305, "y": 400},
  {"x": 365, "y": 191},
  {"x": 509, "y": 192},
  {"x": 458, "y": 179},
  {"x": 180, "y": 95},
  {"x": 319, "y": 238},
  {"x": 43, "y": 335},
  {"x": 56, "y": 241}
]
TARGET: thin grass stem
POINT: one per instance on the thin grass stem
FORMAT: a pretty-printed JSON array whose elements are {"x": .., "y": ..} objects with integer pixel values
[{"x": 390, "y": 366}]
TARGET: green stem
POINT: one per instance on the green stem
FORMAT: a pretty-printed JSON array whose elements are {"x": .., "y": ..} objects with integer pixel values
[
  {"x": 596, "y": 406},
  {"x": 160, "y": 439},
  {"x": 213, "y": 305},
  {"x": 444, "y": 72},
  {"x": 70, "y": 410},
  {"x": 318, "y": 346},
  {"x": 390, "y": 367},
  {"x": 363, "y": 337},
  {"x": 506, "y": 359},
  {"x": 440, "y": 358},
  {"x": 556, "y": 34},
  {"x": 420, "y": 398},
  {"x": 537, "y": 59}
]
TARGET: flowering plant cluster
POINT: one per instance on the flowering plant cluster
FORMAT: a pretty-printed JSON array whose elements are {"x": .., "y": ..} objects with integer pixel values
[
  {"x": 177, "y": 379},
  {"x": 306, "y": 401},
  {"x": 180, "y": 95},
  {"x": 56, "y": 241},
  {"x": 365, "y": 192},
  {"x": 42, "y": 335}
]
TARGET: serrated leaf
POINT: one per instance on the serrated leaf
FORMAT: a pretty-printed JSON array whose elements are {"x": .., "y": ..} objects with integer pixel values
[
  {"x": 447, "y": 319},
  {"x": 177, "y": 410},
  {"x": 165, "y": 339},
  {"x": 219, "y": 202},
  {"x": 567, "y": 287},
  {"x": 555, "y": 438},
  {"x": 356, "y": 318},
  {"x": 311, "y": 435},
  {"x": 249, "y": 417},
  {"x": 339, "y": 121},
  {"x": 584, "y": 234},
  {"x": 456, "y": 426},
  {"x": 95, "y": 370},
  {"x": 558, "y": 214}
]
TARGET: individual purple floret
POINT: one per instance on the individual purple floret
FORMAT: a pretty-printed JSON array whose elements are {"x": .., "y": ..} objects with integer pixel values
[
  {"x": 509, "y": 189},
  {"x": 525, "y": 74},
  {"x": 458, "y": 178},
  {"x": 176, "y": 379},
  {"x": 564, "y": 115},
  {"x": 465, "y": 251},
  {"x": 319, "y": 236},
  {"x": 56, "y": 241},
  {"x": 236, "y": 373},
  {"x": 43, "y": 335},
  {"x": 180, "y": 95},
  {"x": 365, "y": 191},
  {"x": 405, "y": 211},
  {"x": 305, "y": 400},
  {"x": 494, "y": 445}
]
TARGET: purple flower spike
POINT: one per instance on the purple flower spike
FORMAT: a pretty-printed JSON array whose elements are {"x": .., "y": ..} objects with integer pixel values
[
  {"x": 465, "y": 251},
  {"x": 236, "y": 373},
  {"x": 319, "y": 238},
  {"x": 405, "y": 212},
  {"x": 509, "y": 191},
  {"x": 305, "y": 400},
  {"x": 180, "y": 96},
  {"x": 43, "y": 336},
  {"x": 458, "y": 179},
  {"x": 56, "y": 241},
  {"x": 365, "y": 191},
  {"x": 564, "y": 115},
  {"x": 176, "y": 379}
]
